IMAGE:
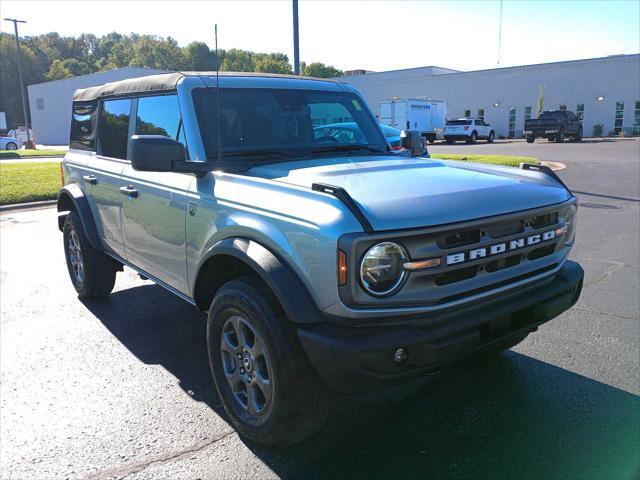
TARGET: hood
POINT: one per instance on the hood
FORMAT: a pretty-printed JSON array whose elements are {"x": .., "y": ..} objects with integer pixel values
[{"x": 397, "y": 193}]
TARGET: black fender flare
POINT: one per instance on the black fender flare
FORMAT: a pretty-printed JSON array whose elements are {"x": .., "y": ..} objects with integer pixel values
[
  {"x": 71, "y": 197},
  {"x": 295, "y": 299}
]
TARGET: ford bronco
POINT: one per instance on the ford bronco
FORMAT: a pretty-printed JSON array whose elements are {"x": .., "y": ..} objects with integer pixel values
[{"x": 327, "y": 262}]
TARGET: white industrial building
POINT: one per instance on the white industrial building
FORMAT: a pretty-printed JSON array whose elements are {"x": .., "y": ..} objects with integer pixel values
[
  {"x": 50, "y": 102},
  {"x": 601, "y": 90}
]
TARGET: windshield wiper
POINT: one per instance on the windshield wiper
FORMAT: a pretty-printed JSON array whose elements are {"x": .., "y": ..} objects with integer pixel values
[
  {"x": 351, "y": 147},
  {"x": 262, "y": 152}
]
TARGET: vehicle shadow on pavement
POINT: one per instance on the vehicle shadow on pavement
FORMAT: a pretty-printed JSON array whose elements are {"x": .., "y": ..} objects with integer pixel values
[{"x": 508, "y": 417}]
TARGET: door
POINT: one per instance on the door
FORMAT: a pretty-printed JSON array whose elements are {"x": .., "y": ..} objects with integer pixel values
[
  {"x": 101, "y": 174},
  {"x": 154, "y": 204}
]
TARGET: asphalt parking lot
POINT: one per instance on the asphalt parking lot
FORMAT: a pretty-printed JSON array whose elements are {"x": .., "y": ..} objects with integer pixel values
[{"x": 121, "y": 388}]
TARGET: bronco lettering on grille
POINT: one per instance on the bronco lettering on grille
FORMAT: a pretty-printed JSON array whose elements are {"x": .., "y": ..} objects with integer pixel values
[{"x": 499, "y": 248}]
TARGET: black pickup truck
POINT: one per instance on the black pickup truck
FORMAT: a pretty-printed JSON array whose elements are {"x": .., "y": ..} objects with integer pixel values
[{"x": 554, "y": 125}]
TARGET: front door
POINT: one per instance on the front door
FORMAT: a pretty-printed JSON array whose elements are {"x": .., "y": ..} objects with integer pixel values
[{"x": 154, "y": 204}]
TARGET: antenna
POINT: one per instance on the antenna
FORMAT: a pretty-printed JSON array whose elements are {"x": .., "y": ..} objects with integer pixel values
[
  {"x": 218, "y": 141},
  {"x": 500, "y": 34}
]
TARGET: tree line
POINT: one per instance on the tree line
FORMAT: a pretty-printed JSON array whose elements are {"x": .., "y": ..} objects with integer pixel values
[{"x": 50, "y": 56}]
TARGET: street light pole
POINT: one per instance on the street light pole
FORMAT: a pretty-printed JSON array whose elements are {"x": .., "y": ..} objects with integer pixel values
[
  {"x": 296, "y": 46},
  {"x": 22, "y": 91}
]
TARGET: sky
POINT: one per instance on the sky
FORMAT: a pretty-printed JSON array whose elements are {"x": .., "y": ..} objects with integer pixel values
[{"x": 373, "y": 35}]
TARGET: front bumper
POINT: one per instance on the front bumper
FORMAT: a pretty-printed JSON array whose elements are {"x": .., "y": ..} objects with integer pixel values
[{"x": 358, "y": 359}]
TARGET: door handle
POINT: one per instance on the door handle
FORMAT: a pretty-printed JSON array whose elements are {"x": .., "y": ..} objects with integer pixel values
[
  {"x": 90, "y": 179},
  {"x": 130, "y": 191}
]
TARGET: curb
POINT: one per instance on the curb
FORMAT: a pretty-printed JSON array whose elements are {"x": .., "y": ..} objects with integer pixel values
[
  {"x": 555, "y": 166},
  {"x": 31, "y": 156},
  {"x": 27, "y": 206}
]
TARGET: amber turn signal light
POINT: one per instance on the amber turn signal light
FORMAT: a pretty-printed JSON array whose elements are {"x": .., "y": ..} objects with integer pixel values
[{"x": 342, "y": 268}]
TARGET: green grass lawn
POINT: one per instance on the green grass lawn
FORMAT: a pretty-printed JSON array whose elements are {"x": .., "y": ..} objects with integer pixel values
[
  {"x": 15, "y": 154},
  {"x": 28, "y": 182},
  {"x": 507, "y": 160}
]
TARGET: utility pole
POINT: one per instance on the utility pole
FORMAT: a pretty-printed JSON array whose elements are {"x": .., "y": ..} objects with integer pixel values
[
  {"x": 22, "y": 91},
  {"x": 296, "y": 46},
  {"x": 500, "y": 34}
]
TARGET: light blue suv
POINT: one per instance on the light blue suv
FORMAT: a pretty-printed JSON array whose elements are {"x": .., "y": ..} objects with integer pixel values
[{"x": 326, "y": 265}]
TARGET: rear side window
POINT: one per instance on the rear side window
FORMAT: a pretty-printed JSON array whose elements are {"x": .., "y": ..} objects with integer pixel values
[
  {"x": 114, "y": 128},
  {"x": 459, "y": 122},
  {"x": 159, "y": 115},
  {"x": 83, "y": 125}
]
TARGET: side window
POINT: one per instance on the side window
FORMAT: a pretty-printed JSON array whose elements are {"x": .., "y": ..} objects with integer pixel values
[
  {"x": 114, "y": 128},
  {"x": 159, "y": 116},
  {"x": 83, "y": 125}
]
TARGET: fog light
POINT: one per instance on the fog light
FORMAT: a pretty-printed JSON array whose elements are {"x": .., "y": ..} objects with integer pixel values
[{"x": 400, "y": 355}]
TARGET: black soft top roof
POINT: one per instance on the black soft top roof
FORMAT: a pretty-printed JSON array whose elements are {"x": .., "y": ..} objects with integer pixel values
[{"x": 161, "y": 82}]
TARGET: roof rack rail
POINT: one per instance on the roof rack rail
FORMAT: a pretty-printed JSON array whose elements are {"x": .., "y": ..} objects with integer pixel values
[
  {"x": 342, "y": 195},
  {"x": 548, "y": 171}
]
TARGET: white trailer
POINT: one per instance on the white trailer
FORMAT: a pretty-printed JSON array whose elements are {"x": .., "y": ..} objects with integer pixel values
[{"x": 427, "y": 116}]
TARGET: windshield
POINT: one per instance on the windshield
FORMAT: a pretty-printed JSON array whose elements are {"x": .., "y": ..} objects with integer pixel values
[
  {"x": 258, "y": 120},
  {"x": 558, "y": 114},
  {"x": 459, "y": 122}
]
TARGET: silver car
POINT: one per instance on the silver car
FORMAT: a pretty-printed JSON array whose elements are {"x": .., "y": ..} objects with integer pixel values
[{"x": 327, "y": 265}]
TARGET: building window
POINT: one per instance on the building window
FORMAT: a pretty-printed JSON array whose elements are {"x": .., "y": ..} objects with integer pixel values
[
  {"x": 617, "y": 126},
  {"x": 527, "y": 113},
  {"x": 580, "y": 111},
  {"x": 39, "y": 103},
  {"x": 512, "y": 122},
  {"x": 481, "y": 114},
  {"x": 467, "y": 113},
  {"x": 563, "y": 108},
  {"x": 636, "y": 120}
]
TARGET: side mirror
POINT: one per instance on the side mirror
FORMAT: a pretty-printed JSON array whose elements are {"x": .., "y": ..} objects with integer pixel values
[
  {"x": 154, "y": 153},
  {"x": 412, "y": 141}
]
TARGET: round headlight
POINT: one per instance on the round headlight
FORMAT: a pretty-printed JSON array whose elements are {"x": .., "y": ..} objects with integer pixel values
[
  {"x": 382, "y": 270},
  {"x": 570, "y": 220}
]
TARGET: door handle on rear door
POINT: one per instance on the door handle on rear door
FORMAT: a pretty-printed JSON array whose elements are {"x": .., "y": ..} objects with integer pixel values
[
  {"x": 90, "y": 179},
  {"x": 130, "y": 191}
]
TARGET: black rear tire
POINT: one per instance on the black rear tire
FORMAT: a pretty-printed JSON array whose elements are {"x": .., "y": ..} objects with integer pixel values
[
  {"x": 93, "y": 274},
  {"x": 449, "y": 141},
  {"x": 560, "y": 136},
  {"x": 530, "y": 139},
  {"x": 473, "y": 138},
  {"x": 295, "y": 403}
]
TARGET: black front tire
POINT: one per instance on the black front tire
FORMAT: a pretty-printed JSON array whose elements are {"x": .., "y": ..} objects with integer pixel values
[
  {"x": 530, "y": 138},
  {"x": 579, "y": 136},
  {"x": 491, "y": 137},
  {"x": 560, "y": 136},
  {"x": 93, "y": 274},
  {"x": 296, "y": 402}
]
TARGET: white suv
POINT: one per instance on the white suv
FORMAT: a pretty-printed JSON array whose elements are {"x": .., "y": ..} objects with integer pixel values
[{"x": 469, "y": 130}]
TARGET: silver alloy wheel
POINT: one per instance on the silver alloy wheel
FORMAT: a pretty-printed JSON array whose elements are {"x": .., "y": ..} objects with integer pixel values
[
  {"x": 75, "y": 256},
  {"x": 246, "y": 365}
]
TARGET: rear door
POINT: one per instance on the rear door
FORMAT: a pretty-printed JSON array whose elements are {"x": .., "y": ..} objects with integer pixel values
[
  {"x": 101, "y": 173},
  {"x": 154, "y": 204}
]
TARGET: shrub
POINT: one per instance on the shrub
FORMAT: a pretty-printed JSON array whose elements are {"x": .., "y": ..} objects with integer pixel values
[{"x": 598, "y": 128}]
